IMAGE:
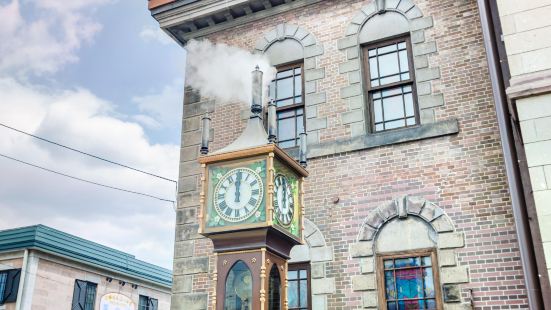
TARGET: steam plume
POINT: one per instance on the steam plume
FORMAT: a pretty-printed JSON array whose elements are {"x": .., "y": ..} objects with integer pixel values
[{"x": 223, "y": 72}]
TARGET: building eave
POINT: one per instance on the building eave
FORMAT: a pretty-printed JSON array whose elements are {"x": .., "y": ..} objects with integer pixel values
[{"x": 184, "y": 20}]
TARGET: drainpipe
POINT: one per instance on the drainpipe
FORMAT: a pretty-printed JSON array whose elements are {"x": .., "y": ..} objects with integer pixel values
[
  {"x": 529, "y": 266},
  {"x": 22, "y": 280}
]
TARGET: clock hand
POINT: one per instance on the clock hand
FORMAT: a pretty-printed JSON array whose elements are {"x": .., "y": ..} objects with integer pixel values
[{"x": 237, "y": 186}]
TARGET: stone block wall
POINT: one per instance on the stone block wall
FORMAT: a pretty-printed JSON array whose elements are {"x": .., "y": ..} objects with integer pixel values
[
  {"x": 455, "y": 162},
  {"x": 535, "y": 121}
]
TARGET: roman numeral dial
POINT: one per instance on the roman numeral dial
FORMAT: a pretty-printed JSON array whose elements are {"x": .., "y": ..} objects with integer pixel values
[
  {"x": 238, "y": 194},
  {"x": 283, "y": 200}
]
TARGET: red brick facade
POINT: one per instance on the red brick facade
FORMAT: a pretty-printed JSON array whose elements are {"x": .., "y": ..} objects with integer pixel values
[{"x": 461, "y": 173}]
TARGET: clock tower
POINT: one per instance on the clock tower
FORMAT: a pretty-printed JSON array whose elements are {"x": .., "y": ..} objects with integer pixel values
[{"x": 252, "y": 210}]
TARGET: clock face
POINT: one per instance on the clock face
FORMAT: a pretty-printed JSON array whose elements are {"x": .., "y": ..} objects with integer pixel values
[
  {"x": 238, "y": 194},
  {"x": 283, "y": 200}
]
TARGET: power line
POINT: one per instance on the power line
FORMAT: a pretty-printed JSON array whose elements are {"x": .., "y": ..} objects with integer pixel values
[
  {"x": 87, "y": 181},
  {"x": 87, "y": 154}
]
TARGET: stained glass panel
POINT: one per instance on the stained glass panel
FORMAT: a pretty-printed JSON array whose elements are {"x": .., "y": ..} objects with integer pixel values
[{"x": 409, "y": 283}]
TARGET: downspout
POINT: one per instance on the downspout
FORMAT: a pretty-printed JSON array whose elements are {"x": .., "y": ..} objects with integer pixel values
[
  {"x": 22, "y": 280},
  {"x": 528, "y": 259}
]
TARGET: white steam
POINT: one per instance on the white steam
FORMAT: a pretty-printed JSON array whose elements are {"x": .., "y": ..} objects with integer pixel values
[{"x": 223, "y": 72}]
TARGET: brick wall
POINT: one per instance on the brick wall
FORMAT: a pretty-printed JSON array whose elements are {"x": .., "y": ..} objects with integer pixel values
[{"x": 462, "y": 173}]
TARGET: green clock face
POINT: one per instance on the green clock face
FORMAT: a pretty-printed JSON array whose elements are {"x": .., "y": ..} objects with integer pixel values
[
  {"x": 283, "y": 200},
  {"x": 238, "y": 194}
]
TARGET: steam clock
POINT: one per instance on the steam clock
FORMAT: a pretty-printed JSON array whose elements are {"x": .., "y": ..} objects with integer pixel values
[{"x": 252, "y": 210}]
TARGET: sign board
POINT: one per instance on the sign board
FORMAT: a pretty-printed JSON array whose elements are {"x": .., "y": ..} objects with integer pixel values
[{"x": 116, "y": 301}]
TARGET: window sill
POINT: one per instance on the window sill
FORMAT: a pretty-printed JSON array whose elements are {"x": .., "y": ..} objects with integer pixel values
[{"x": 372, "y": 140}]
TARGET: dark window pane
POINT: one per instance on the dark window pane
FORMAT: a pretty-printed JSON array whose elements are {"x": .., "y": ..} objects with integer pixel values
[
  {"x": 286, "y": 114},
  {"x": 284, "y": 88},
  {"x": 298, "y": 71},
  {"x": 386, "y": 49},
  {"x": 298, "y": 100},
  {"x": 378, "y": 111},
  {"x": 410, "y": 121},
  {"x": 429, "y": 282},
  {"x": 90, "y": 296},
  {"x": 389, "y": 285},
  {"x": 286, "y": 129},
  {"x": 390, "y": 79},
  {"x": 408, "y": 102},
  {"x": 283, "y": 103},
  {"x": 389, "y": 263},
  {"x": 388, "y": 64},
  {"x": 373, "y": 70},
  {"x": 372, "y": 52},
  {"x": 375, "y": 83},
  {"x": 292, "y": 275},
  {"x": 408, "y": 262},
  {"x": 3, "y": 280},
  {"x": 303, "y": 274},
  {"x": 239, "y": 288},
  {"x": 298, "y": 86},
  {"x": 303, "y": 293},
  {"x": 402, "y": 45},
  {"x": 392, "y": 91},
  {"x": 407, "y": 88},
  {"x": 431, "y": 304},
  {"x": 292, "y": 294},
  {"x": 392, "y": 306},
  {"x": 394, "y": 109},
  {"x": 404, "y": 66},
  {"x": 285, "y": 73},
  {"x": 379, "y": 127},
  {"x": 427, "y": 261},
  {"x": 394, "y": 124},
  {"x": 287, "y": 144},
  {"x": 404, "y": 76}
]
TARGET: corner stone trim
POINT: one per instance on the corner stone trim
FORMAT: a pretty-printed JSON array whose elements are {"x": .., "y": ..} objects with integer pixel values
[
  {"x": 451, "y": 272},
  {"x": 312, "y": 73},
  {"x": 318, "y": 254},
  {"x": 349, "y": 44}
]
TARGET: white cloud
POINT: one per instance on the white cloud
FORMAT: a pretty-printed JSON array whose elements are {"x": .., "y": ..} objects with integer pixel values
[
  {"x": 40, "y": 44},
  {"x": 78, "y": 118},
  {"x": 155, "y": 34},
  {"x": 162, "y": 107},
  {"x": 44, "y": 44}
]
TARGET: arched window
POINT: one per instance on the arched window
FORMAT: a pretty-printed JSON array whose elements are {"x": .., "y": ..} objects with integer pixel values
[
  {"x": 239, "y": 288},
  {"x": 389, "y": 72},
  {"x": 287, "y": 90},
  {"x": 274, "y": 289}
]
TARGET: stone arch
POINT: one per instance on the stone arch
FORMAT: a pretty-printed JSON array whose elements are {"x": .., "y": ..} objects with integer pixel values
[
  {"x": 413, "y": 213},
  {"x": 316, "y": 252},
  {"x": 406, "y": 18},
  {"x": 282, "y": 45}
]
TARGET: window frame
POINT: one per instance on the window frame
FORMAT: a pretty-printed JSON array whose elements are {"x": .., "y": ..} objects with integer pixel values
[
  {"x": 149, "y": 302},
  {"x": 381, "y": 291},
  {"x": 299, "y": 266},
  {"x": 293, "y": 65},
  {"x": 85, "y": 300},
  {"x": 369, "y": 90}
]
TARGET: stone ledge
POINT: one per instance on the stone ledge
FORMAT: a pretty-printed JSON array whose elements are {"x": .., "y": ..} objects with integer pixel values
[
  {"x": 424, "y": 131},
  {"x": 197, "y": 301}
]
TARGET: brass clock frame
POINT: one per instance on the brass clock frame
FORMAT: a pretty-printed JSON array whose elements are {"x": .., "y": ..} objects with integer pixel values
[{"x": 268, "y": 152}]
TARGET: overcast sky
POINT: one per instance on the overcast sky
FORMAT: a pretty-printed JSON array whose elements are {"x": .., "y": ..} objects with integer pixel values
[{"x": 99, "y": 76}]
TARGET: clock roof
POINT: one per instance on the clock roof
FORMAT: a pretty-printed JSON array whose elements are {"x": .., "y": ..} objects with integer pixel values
[{"x": 253, "y": 136}]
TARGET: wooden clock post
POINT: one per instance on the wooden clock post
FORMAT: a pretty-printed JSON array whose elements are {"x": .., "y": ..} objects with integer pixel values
[{"x": 252, "y": 210}]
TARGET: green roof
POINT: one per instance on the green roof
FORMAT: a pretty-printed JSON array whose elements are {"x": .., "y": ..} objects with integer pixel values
[{"x": 51, "y": 240}]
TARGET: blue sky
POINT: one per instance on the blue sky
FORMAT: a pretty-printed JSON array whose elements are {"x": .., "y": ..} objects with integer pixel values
[{"x": 97, "y": 75}]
